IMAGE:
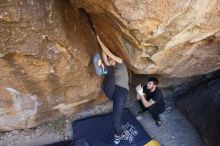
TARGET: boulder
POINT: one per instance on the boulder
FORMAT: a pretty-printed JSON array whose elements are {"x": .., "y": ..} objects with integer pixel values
[
  {"x": 46, "y": 49},
  {"x": 45, "y": 58},
  {"x": 173, "y": 38}
]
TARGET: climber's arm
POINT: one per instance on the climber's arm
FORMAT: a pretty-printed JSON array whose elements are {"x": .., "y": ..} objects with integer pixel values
[
  {"x": 108, "y": 52},
  {"x": 105, "y": 59}
]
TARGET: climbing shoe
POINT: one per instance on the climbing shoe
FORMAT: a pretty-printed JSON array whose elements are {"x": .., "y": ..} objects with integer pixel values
[
  {"x": 117, "y": 139},
  {"x": 158, "y": 122}
]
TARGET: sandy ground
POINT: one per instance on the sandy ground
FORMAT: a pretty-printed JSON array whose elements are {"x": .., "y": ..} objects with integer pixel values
[
  {"x": 44, "y": 134},
  {"x": 174, "y": 131}
]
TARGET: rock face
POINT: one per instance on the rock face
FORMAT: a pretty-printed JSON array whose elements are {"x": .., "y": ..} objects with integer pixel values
[
  {"x": 45, "y": 53},
  {"x": 46, "y": 48},
  {"x": 202, "y": 107},
  {"x": 172, "y": 38}
]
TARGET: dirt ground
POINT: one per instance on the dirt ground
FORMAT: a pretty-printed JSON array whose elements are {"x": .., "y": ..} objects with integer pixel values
[{"x": 174, "y": 131}]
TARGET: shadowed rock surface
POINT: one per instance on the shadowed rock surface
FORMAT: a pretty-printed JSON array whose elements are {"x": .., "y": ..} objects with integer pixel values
[{"x": 202, "y": 107}]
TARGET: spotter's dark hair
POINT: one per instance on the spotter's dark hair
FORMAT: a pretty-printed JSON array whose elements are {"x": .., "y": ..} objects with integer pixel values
[{"x": 153, "y": 79}]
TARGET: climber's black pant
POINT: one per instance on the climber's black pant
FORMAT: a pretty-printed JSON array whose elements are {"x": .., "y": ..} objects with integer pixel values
[{"x": 118, "y": 95}]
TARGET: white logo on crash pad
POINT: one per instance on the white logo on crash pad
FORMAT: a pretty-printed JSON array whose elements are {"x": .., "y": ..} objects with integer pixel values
[{"x": 129, "y": 132}]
